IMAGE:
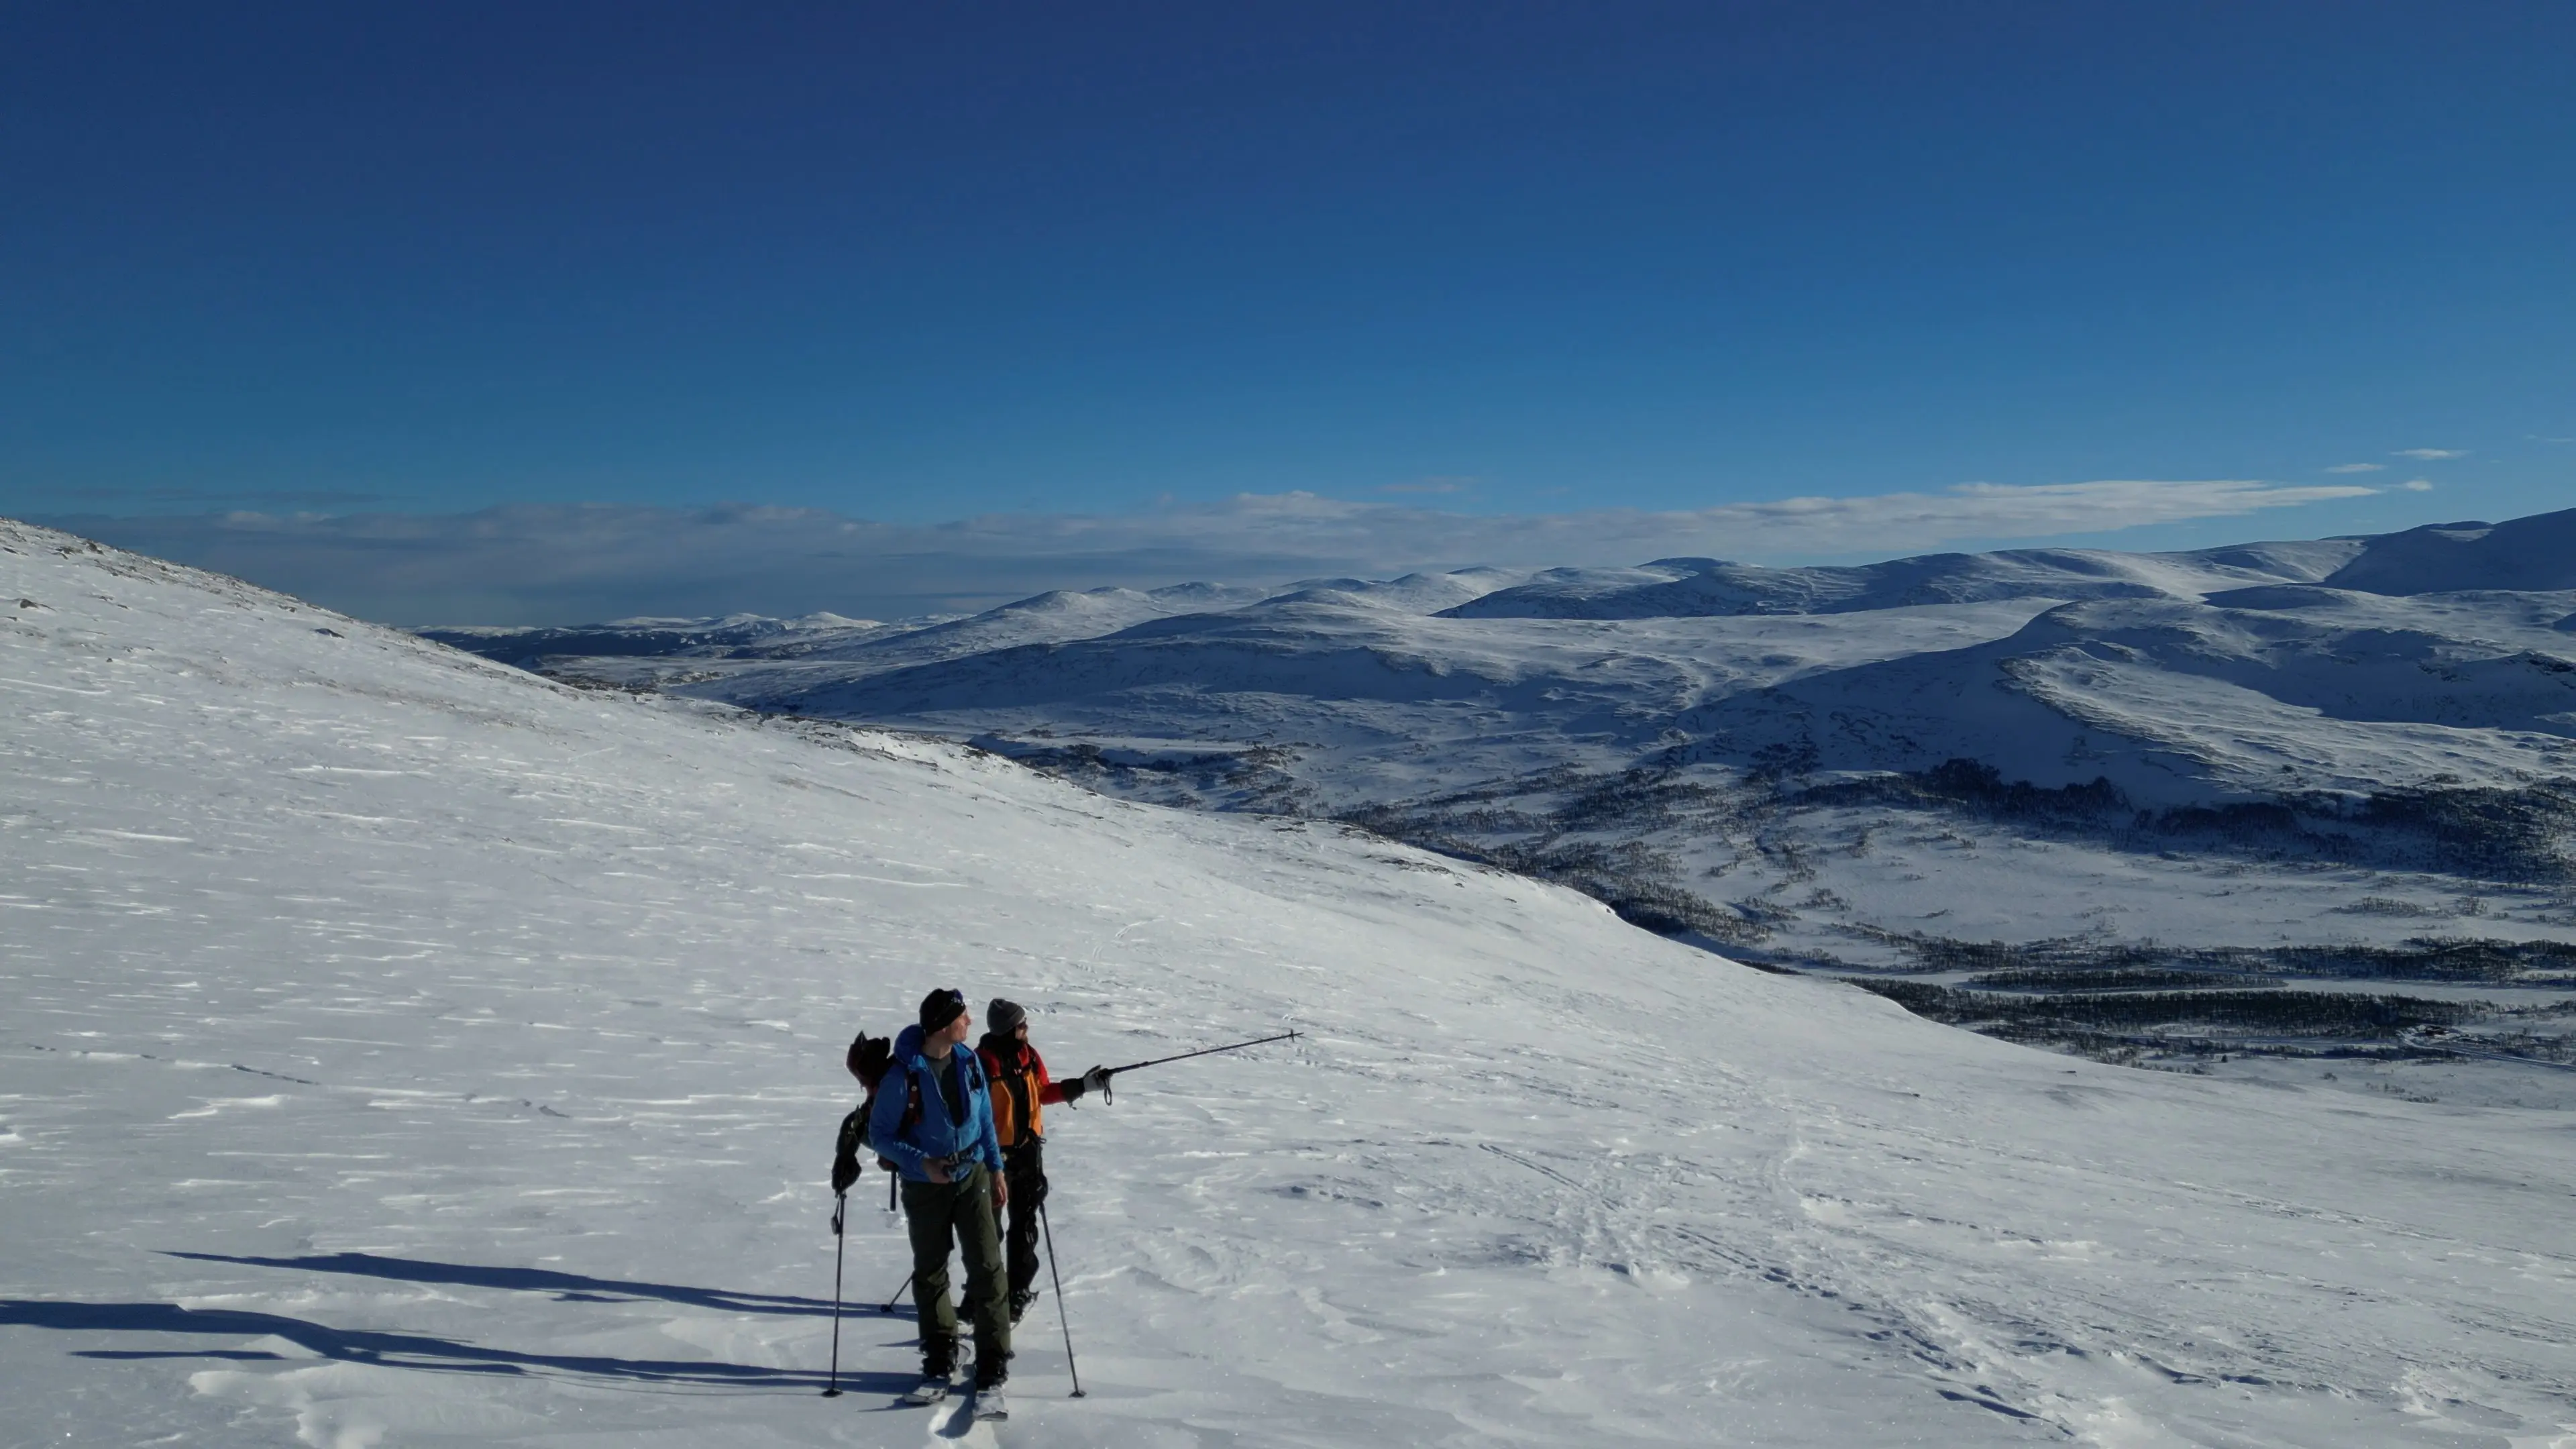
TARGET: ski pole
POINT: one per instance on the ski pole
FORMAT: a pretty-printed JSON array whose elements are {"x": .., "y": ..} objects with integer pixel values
[
  {"x": 840, "y": 1245},
  {"x": 1060, "y": 1315},
  {"x": 1185, "y": 1056},
  {"x": 898, "y": 1295}
]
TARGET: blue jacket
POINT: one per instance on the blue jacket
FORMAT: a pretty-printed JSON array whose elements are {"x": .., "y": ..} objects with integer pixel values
[{"x": 935, "y": 1134}]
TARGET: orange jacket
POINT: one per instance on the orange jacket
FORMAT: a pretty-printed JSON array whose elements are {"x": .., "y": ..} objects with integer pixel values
[{"x": 1021, "y": 1089}]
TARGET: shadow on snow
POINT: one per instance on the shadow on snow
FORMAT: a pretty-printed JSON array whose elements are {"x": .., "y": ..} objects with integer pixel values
[
  {"x": 393, "y": 1350},
  {"x": 423, "y": 1351},
  {"x": 567, "y": 1287}
]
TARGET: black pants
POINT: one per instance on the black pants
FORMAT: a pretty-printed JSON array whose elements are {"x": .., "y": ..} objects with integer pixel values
[
  {"x": 940, "y": 1215},
  {"x": 1024, "y": 1168}
]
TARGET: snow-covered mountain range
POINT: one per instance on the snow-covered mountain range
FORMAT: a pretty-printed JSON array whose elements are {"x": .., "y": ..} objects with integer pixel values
[
  {"x": 405, "y": 1049},
  {"x": 2352, "y": 742}
]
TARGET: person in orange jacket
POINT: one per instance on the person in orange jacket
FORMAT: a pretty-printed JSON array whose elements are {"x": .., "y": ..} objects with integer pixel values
[{"x": 1021, "y": 1093}]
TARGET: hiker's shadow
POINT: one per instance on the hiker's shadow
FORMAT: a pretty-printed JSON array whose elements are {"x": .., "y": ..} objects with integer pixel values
[
  {"x": 567, "y": 1287},
  {"x": 385, "y": 1349}
]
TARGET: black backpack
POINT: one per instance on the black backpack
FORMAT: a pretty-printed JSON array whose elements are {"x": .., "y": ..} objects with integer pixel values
[{"x": 868, "y": 1060}]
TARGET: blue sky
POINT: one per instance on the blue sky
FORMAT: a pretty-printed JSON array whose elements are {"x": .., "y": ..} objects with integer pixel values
[{"x": 1465, "y": 263}]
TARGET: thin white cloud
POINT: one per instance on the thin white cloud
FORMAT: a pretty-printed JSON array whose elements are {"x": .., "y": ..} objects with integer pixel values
[
  {"x": 569, "y": 563},
  {"x": 2418, "y": 485},
  {"x": 1429, "y": 485},
  {"x": 2430, "y": 455},
  {"x": 2357, "y": 468}
]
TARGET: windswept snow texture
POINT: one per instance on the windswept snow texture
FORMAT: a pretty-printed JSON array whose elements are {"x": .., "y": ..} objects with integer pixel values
[{"x": 406, "y": 1050}]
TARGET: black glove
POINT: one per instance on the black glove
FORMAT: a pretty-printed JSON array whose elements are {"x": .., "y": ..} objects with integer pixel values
[{"x": 845, "y": 1155}]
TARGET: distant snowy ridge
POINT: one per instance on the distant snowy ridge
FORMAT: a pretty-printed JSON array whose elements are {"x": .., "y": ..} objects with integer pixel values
[
  {"x": 1692, "y": 588},
  {"x": 2536, "y": 553},
  {"x": 1061, "y": 614},
  {"x": 2338, "y": 717},
  {"x": 2175, "y": 701},
  {"x": 2220, "y": 675}
]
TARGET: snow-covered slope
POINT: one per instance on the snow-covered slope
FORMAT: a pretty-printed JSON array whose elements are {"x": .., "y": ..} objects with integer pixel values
[
  {"x": 1361, "y": 703},
  {"x": 2177, "y": 701},
  {"x": 406, "y": 1050},
  {"x": 2525, "y": 553}
]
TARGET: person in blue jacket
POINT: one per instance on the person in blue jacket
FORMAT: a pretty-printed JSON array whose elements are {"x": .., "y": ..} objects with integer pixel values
[{"x": 934, "y": 1122}]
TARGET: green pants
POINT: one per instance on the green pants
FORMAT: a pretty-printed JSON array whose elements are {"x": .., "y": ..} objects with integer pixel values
[{"x": 937, "y": 1214}]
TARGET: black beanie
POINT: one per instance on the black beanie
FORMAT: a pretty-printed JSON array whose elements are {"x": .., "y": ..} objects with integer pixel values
[
  {"x": 940, "y": 1008},
  {"x": 1001, "y": 1017}
]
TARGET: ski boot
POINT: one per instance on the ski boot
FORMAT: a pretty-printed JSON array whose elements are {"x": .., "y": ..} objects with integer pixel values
[{"x": 989, "y": 1401}]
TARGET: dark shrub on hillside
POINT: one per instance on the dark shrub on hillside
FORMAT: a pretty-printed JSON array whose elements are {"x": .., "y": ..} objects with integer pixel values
[{"x": 2263, "y": 1013}]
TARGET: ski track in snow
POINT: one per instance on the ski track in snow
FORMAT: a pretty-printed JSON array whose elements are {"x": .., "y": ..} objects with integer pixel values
[{"x": 401, "y": 1050}]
